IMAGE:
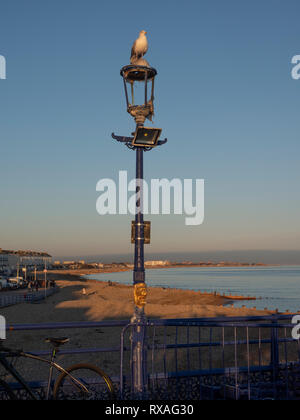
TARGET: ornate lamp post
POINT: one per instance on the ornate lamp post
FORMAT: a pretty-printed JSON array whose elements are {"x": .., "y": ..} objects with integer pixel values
[{"x": 144, "y": 139}]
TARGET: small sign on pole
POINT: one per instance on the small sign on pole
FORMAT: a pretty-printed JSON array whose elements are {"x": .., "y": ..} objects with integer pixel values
[{"x": 147, "y": 232}]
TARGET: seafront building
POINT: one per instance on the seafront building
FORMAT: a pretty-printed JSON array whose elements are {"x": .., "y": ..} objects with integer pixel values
[
  {"x": 13, "y": 261},
  {"x": 157, "y": 263}
]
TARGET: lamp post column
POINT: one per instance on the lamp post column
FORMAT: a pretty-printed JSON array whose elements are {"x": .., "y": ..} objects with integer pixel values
[
  {"x": 139, "y": 351},
  {"x": 139, "y": 268},
  {"x": 142, "y": 141}
]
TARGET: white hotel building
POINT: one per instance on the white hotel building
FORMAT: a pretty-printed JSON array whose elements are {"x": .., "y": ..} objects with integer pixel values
[{"x": 11, "y": 261}]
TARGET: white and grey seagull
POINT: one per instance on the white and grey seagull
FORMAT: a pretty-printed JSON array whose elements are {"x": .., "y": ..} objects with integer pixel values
[{"x": 139, "y": 48}]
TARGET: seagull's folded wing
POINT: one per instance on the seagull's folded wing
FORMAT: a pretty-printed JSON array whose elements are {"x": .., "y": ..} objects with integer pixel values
[{"x": 133, "y": 50}]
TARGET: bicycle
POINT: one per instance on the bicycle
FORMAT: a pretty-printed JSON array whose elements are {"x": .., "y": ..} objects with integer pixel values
[{"x": 79, "y": 381}]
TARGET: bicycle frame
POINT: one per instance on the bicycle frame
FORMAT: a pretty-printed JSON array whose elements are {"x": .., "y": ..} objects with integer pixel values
[{"x": 9, "y": 367}]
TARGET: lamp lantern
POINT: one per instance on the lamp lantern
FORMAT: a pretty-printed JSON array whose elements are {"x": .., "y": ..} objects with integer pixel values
[{"x": 135, "y": 76}]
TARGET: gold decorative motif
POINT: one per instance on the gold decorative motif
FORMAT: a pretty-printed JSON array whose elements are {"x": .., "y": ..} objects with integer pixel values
[
  {"x": 147, "y": 232},
  {"x": 140, "y": 294}
]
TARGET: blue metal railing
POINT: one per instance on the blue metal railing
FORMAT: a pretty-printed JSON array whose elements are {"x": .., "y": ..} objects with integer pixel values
[
  {"x": 256, "y": 364},
  {"x": 7, "y": 299},
  {"x": 203, "y": 358}
]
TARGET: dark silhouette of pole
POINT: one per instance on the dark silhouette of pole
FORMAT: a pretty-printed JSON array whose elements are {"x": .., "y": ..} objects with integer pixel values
[
  {"x": 139, "y": 353},
  {"x": 139, "y": 268}
]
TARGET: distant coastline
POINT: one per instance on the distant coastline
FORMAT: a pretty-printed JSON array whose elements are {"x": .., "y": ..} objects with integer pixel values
[
  {"x": 79, "y": 269},
  {"x": 207, "y": 264}
]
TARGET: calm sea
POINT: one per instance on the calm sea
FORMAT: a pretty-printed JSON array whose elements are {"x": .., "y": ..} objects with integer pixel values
[{"x": 275, "y": 287}]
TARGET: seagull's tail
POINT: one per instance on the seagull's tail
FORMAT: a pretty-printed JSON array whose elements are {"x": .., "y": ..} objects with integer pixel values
[{"x": 133, "y": 59}]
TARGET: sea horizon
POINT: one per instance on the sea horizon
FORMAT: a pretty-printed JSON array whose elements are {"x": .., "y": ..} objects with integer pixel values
[{"x": 269, "y": 257}]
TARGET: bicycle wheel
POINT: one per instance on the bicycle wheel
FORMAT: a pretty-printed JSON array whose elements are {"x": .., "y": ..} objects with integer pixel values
[
  {"x": 96, "y": 381},
  {"x": 6, "y": 393}
]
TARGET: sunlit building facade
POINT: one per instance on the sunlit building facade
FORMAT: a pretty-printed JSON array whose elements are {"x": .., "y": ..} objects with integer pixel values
[{"x": 13, "y": 261}]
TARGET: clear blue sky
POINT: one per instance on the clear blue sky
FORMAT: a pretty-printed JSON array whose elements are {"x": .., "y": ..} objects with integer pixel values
[{"x": 224, "y": 98}]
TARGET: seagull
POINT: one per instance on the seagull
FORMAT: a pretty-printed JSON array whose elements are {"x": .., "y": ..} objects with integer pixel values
[{"x": 139, "y": 48}]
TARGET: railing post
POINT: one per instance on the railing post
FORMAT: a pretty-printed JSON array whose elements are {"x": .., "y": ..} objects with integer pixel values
[{"x": 275, "y": 352}]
